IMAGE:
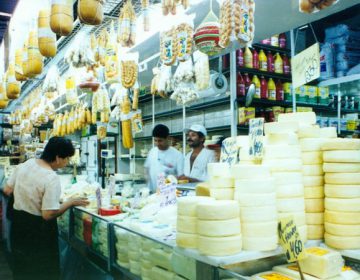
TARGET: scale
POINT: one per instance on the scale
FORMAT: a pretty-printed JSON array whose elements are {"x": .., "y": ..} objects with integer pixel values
[{"x": 105, "y": 155}]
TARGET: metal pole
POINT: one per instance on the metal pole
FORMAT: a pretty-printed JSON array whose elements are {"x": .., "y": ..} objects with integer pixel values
[
  {"x": 233, "y": 107},
  {"x": 292, "y": 42},
  {"x": 184, "y": 134},
  {"x": 339, "y": 109},
  {"x": 153, "y": 116}
]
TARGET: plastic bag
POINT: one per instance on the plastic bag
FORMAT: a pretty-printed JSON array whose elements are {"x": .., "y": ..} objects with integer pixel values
[
  {"x": 184, "y": 72},
  {"x": 127, "y": 25},
  {"x": 184, "y": 40},
  {"x": 307, "y": 6},
  {"x": 111, "y": 59},
  {"x": 202, "y": 70},
  {"x": 165, "y": 83},
  {"x": 168, "y": 50},
  {"x": 51, "y": 80},
  {"x": 71, "y": 91},
  {"x": 327, "y": 61},
  {"x": 80, "y": 53},
  {"x": 46, "y": 38}
]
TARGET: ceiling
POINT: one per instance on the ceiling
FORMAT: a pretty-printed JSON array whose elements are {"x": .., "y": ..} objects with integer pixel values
[{"x": 7, "y": 8}]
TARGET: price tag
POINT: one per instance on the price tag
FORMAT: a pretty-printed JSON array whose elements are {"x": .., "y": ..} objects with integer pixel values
[
  {"x": 229, "y": 151},
  {"x": 290, "y": 240},
  {"x": 306, "y": 66},
  {"x": 98, "y": 197},
  {"x": 167, "y": 192},
  {"x": 256, "y": 131}
]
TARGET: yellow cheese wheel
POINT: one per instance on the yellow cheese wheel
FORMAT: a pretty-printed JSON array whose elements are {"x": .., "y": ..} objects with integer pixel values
[
  {"x": 339, "y": 191},
  {"x": 313, "y": 169},
  {"x": 315, "y": 232},
  {"x": 339, "y": 217},
  {"x": 314, "y": 218},
  {"x": 312, "y": 157},
  {"x": 186, "y": 240},
  {"x": 314, "y": 192},
  {"x": 313, "y": 181},
  {"x": 61, "y": 19},
  {"x": 46, "y": 38},
  {"x": 342, "y": 230},
  {"x": 341, "y": 167},
  {"x": 342, "y": 204},
  {"x": 342, "y": 242},
  {"x": 314, "y": 205},
  {"x": 341, "y": 144},
  {"x": 346, "y": 156},
  {"x": 342, "y": 178},
  {"x": 90, "y": 11}
]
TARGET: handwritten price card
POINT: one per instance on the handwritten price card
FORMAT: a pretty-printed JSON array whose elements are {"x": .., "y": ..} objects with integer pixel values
[
  {"x": 229, "y": 151},
  {"x": 306, "y": 66},
  {"x": 256, "y": 132}
]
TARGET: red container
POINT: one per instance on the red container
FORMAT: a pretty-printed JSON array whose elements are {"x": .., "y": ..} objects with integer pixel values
[
  {"x": 109, "y": 212},
  {"x": 226, "y": 61},
  {"x": 270, "y": 62},
  {"x": 240, "y": 57},
  {"x": 240, "y": 85},
  {"x": 247, "y": 82},
  {"x": 282, "y": 40},
  {"x": 279, "y": 91},
  {"x": 286, "y": 65},
  {"x": 256, "y": 64},
  {"x": 263, "y": 88}
]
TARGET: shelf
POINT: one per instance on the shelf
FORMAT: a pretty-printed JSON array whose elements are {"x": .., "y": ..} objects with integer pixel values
[
  {"x": 265, "y": 74},
  {"x": 341, "y": 80},
  {"x": 6, "y": 125},
  {"x": 126, "y": 272},
  {"x": 271, "y": 48},
  {"x": 350, "y": 111},
  {"x": 243, "y": 128}
]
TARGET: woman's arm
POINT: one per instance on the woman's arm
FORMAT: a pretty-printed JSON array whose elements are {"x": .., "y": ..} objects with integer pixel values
[
  {"x": 52, "y": 214},
  {"x": 8, "y": 190}
]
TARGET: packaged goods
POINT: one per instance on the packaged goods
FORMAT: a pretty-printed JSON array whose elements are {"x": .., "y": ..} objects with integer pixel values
[
  {"x": 127, "y": 25},
  {"x": 91, "y": 11},
  {"x": 46, "y": 38},
  {"x": 12, "y": 85},
  {"x": 308, "y": 6},
  {"x": 34, "y": 57},
  {"x": 61, "y": 18},
  {"x": 126, "y": 129}
]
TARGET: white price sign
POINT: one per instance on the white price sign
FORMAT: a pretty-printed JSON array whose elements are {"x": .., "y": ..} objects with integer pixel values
[{"x": 256, "y": 132}]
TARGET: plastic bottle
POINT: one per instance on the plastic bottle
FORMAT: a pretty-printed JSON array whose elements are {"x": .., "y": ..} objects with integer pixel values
[
  {"x": 279, "y": 91},
  {"x": 256, "y": 82},
  {"x": 270, "y": 62},
  {"x": 275, "y": 40},
  {"x": 272, "y": 89},
  {"x": 240, "y": 57},
  {"x": 248, "y": 58},
  {"x": 262, "y": 61},
  {"x": 255, "y": 59},
  {"x": 266, "y": 41},
  {"x": 247, "y": 82},
  {"x": 278, "y": 64},
  {"x": 263, "y": 88},
  {"x": 286, "y": 64},
  {"x": 240, "y": 89},
  {"x": 282, "y": 40}
]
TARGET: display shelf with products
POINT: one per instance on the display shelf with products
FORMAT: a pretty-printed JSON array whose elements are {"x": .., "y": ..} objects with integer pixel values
[
  {"x": 274, "y": 49},
  {"x": 266, "y": 74},
  {"x": 340, "y": 80}
]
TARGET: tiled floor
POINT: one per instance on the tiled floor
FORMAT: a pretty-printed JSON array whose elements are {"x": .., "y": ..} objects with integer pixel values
[{"x": 5, "y": 272}]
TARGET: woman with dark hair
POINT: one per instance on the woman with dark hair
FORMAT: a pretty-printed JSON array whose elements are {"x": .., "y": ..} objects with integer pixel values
[{"x": 36, "y": 189}]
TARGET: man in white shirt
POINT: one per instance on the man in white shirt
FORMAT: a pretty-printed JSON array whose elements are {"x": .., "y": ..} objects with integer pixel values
[
  {"x": 162, "y": 158},
  {"x": 195, "y": 164}
]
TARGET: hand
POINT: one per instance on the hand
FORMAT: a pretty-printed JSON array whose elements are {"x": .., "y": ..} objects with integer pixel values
[
  {"x": 80, "y": 201},
  {"x": 182, "y": 177}
]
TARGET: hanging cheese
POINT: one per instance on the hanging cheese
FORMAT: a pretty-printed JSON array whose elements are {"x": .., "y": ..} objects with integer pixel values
[
  {"x": 219, "y": 246},
  {"x": 217, "y": 210},
  {"x": 219, "y": 228},
  {"x": 342, "y": 242},
  {"x": 346, "y": 156},
  {"x": 18, "y": 66},
  {"x": 342, "y": 178},
  {"x": 25, "y": 61},
  {"x": 12, "y": 85},
  {"x": 314, "y": 218},
  {"x": 341, "y": 144},
  {"x": 340, "y": 217},
  {"x": 314, "y": 169},
  {"x": 91, "y": 11},
  {"x": 342, "y": 191},
  {"x": 46, "y": 38},
  {"x": 342, "y": 204},
  {"x": 314, "y": 192},
  {"x": 34, "y": 57},
  {"x": 341, "y": 167},
  {"x": 61, "y": 18}
]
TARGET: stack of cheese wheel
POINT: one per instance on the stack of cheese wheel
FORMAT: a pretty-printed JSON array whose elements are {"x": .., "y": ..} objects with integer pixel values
[
  {"x": 90, "y": 11},
  {"x": 186, "y": 235},
  {"x": 220, "y": 181},
  {"x": 146, "y": 264},
  {"x": 61, "y": 18},
  {"x": 122, "y": 247},
  {"x": 255, "y": 191},
  {"x": 313, "y": 180},
  {"x": 18, "y": 65},
  {"x": 161, "y": 258},
  {"x": 283, "y": 158},
  {"x": 34, "y": 57},
  {"x": 342, "y": 193},
  {"x": 3, "y": 97},
  {"x": 243, "y": 143},
  {"x": 134, "y": 253},
  {"x": 218, "y": 228},
  {"x": 12, "y": 85},
  {"x": 46, "y": 38}
]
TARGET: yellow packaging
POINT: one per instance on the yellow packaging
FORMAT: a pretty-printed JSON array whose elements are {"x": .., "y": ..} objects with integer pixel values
[
  {"x": 18, "y": 65},
  {"x": 304, "y": 109},
  {"x": 287, "y": 91},
  {"x": 61, "y": 18},
  {"x": 249, "y": 114},
  {"x": 90, "y": 11},
  {"x": 35, "y": 59},
  {"x": 301, "y": 94},
  {"x": 311, "y": 92},
  {"x": 323, "y": 95},
  {"x": 46, "y": 38},
  {"x": 242, "y": 115}
]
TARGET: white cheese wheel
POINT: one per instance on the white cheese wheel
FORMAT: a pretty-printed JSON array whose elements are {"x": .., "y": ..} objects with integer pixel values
[
  {"x": 219, "y": 246},
  {"x": 298, "y": 217},
  {"x": 339, "y": 217},
  {"x": 258, "y": 214},
  {"x": 341, "y": 167},
  {"x": 264, "y": 229},
  {"x": 342, "y": 204},
  {"x": 135, "y": 267},
  {"x": 146, "y": 264},
  {"x": 221, "y": 182},
  {"x": 281, "y": 151},
  {"x": 311, "y": 144},
  {"x": 256, "y": 185},
  {"x": 218, "y": 228},
  {"x": 341, "y": 144},
  {"x": 339, "y": 191},
  {"x": 314, "y": 205},
  {"x": 146, "y": 273},
  {"x": 342, "y": 230},
  {"x": 124, "y": 264},
  {"x": 328, "y": 132},
  {"x": 247, "y": 171},
  {"x": 186, "y": 240},
  {"x": 346, "y": 156},
  {"x": 302, "y": 232},
  {"x": 309, "y": 131},
  {"x": 313, "y": 181},
  {"x": 283, "y": 165},
  {"x": 159, "y": 273},
  {"x": 314, "y": 192},
  {"x": 271, "y": 275},
  {"x": 291, "y": 190},
  {"x": 342, "y": 242},
  {"x": 161, "y": 258},
  {"x": 342, "y": 178},
  {"x": 291, "y": 204},
  {"x": 276, "y": 127},
  {"x": 218, "y": 210},
  {"x": 315, "y": 232},
  {"x": 286, "y": 178},
  {"x": 220, "y": 169},
  {"x": 186, "y": 224},
  {"x": 313, "y": 169},
  {"x": 134, "y": 255},
  {"x": 122, "y": 257},
  {"x": 187, "y": 204},
  {"x": 254, "y": 200},
  {"x": 303, "y": 118},
  {"x": 222, "y": 194},
  {"x": 260, "y": 243},
  {"x": 314, "y": 218},
  {"x": 281, "y": 139},
  {"x": 202, "y": 189},
  {"x": 312, "y": 158}
]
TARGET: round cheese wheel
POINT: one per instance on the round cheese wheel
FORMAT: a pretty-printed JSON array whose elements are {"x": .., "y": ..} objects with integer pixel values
[
  {"x": 221, "y": 169},
  {"x": 313, "y": 169},
  {"x": 258, "y": 214},
  {"x": 341, "y": 144},
  {"x": 290, "y": 204},
  {"x": 264, "y": 229},
  {"x": 134, "y": 255},
  {"x": 312, "y": 158},
  {"x": 187, "y": 205},
  {"x": 314, "y": 192},
  {"x": 281, "y": 139},
  {"x": 260, "y": 243},
  {"x": 221, "y": 182},
  {"x": 239, "y": 171},
  {"x": 342, "y": 230},
  {"x": 303, "y": 232},
  {"x": 328, "y": 132},
  {"x": 315, "y": 232},
  {"x": 186, "y": 240},
  {"x": 346, "y": 156},
  {"x": 313, "y": 181},
  {"x": 303, "y": 118},
  {"x": 314, "y": 218},
  {"x": 219, "y": 227},
  {"x": 284, "y": 127},
  {"x": 186, "y": 224},
  {"x": 222, "y": 193},
  {"x": 219, "y": 246},
  {"x": 218, "y": 210},
  {"x": 341, "y": 167},
  {"x": 339, "y": 191},
  {"x": 124, "y": 264},
  {"x": 286, "y": 178},
  {"x": 256, "y": 185},
  {"x": 281, "y": 151},
  {"x": 314, "y": 205},
  {"x": 299, "y": 217},
  {"x": 256, "y": 199},
  {"x": 339, "y": 217},
  {"x": 311, "y": 144},
  {"x": 342, "y": 242},
  {"x": 283, "y": 165},
  {"x": 342, "y": 204},
  {"x": 286, "y": 191},
  {"x": 342, "y": 178},
  {"x": 309, "y": 131}
]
